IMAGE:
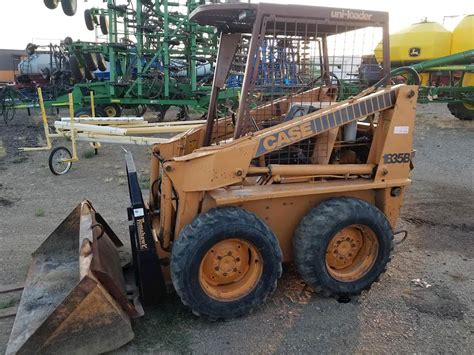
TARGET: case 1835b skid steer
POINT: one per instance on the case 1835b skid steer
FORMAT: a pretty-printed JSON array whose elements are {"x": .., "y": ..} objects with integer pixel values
[{"x": 294, "y": 174}]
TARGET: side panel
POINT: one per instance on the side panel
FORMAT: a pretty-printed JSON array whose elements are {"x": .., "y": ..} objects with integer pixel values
[{"x": 284, "y": 214}]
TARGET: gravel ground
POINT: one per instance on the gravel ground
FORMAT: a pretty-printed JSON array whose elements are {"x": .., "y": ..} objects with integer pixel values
[{"x": 396, "y": 315}]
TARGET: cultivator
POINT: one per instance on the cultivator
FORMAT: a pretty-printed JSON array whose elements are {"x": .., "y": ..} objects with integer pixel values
[{"x": 150, "y": 55}]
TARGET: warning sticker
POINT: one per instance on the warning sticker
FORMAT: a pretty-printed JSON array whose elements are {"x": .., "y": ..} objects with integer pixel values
[
  {"x": 138, "y": 212},
  {"x": 401, "y": 129}
]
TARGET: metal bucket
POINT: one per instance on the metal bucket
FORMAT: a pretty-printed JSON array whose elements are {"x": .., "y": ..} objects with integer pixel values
[{"x": 74, "y": 298}]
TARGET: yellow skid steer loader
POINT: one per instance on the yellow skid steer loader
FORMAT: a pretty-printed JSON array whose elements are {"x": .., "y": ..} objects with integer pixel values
[{"x": 296, "y": 173}]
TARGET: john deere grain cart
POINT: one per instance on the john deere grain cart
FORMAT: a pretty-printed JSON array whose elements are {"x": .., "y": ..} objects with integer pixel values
[
  {"x": 299, "y": 178},
  {"x": 444, "y": 59}
]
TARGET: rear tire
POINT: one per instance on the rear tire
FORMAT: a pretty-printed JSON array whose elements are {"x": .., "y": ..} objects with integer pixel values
[
  {"x": 342, "y": 246},
  {"x": 461, "y": 110},
  {"x": 69, "y": 7},
  {"x": 51, "y": 4},
  {"x": 225, "y": 263}
]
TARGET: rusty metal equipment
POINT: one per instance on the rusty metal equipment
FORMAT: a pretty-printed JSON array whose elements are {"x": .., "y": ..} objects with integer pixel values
[{"x": 295, "y": 177}]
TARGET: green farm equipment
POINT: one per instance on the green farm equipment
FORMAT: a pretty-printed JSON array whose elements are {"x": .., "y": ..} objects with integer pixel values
[
  {"x": 150, "y": 56},
  {"x": 449, "y": 79}
]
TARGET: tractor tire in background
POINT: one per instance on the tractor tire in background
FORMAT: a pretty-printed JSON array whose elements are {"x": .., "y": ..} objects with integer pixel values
[
  {"x": 85, "y": 112},
  {"x": 69, "y": 7},
  {"x": 101, "y": 64},
  {"x": 89, "y": 74},
  {"x": 461, "y": 110},
  {"x": 111, "y": 110},
  {"x": 162, "y": 110},
  {"x": 104, "y": 24},
  {"x": 342, "y": 246},
  {"x": 68, "y": 41},
  {"x": 89, "y": 19},
  {"x": 225, "y": 263},
  {"x": 51, "y": 4},
  {"x": 140, "y": 110},
  {"x": 77, "y": 71},
  {"x": 91, "y": 62}
]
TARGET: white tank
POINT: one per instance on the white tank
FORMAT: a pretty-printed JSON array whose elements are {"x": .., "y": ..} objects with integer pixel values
[{"x": 33, "y": 64}]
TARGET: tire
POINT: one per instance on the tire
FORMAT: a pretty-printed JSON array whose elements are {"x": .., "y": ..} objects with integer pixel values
[
  {"x": 461, "y": 111},
  {"x": 101, "y": 64},
  {"x": 51, "y": 4},
  {"x": 111, "y": 110},
  {"x": 104, "y": 24},
  {"x": 140, "y": 110},
  {"x": 89, "y": 74},
  {"x": 89, "y": 20},
  {"x": 162, "y": 109},
  {"x": 91, "y": 61},
  {"x": 86, "y": 112},
  {"x": 204, "y": 240},
  {"x": 372, "y": 245},
  {"x": 69, "y": 7},
  {"x": 57, "y": 154},
  {"x": 68, "y": 41},
  {"x": 77, "y": 71}
]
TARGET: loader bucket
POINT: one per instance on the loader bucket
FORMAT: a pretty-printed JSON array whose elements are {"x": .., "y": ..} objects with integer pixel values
[{"x": 74, "y": 300}]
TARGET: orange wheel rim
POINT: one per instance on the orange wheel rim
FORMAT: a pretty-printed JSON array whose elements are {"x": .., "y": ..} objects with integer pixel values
[
  {"x": 230, "y": 269},
  {"x": 351, "y": 253}
]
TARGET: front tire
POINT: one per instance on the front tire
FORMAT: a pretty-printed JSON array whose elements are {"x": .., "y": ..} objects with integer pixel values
[
  {"x": 56, "y": 163},
  {"x": 342, "y": 246},
  {"x": 225, "y": 263}
]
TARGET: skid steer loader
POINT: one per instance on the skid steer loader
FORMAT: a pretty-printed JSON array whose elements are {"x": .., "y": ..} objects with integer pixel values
[{"x": 293, "y": 174}]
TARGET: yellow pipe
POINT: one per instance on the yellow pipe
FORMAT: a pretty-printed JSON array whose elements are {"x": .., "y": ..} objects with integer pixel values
[
  {"x": 313, "y": 169},
  {"x": 92, "y": 104},
  {"x": 73, "y": 132}
]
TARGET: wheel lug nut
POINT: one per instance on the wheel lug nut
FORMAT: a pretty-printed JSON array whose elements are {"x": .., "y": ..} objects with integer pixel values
[
  {"x": 225, "y": 273},
  {"x": 237, "y": 259},
  {"x": 229, "y": 253},
  {"x": 216, "y": 268},
  {"x": 219, "y": 257},
  {"x": 235, "y": 269}
]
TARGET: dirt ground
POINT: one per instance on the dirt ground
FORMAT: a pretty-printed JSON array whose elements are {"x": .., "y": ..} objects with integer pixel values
[{"x": 396, "y": 316}]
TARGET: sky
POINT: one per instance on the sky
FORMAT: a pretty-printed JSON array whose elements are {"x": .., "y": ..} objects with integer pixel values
[{"x": 30, "y": 21}]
